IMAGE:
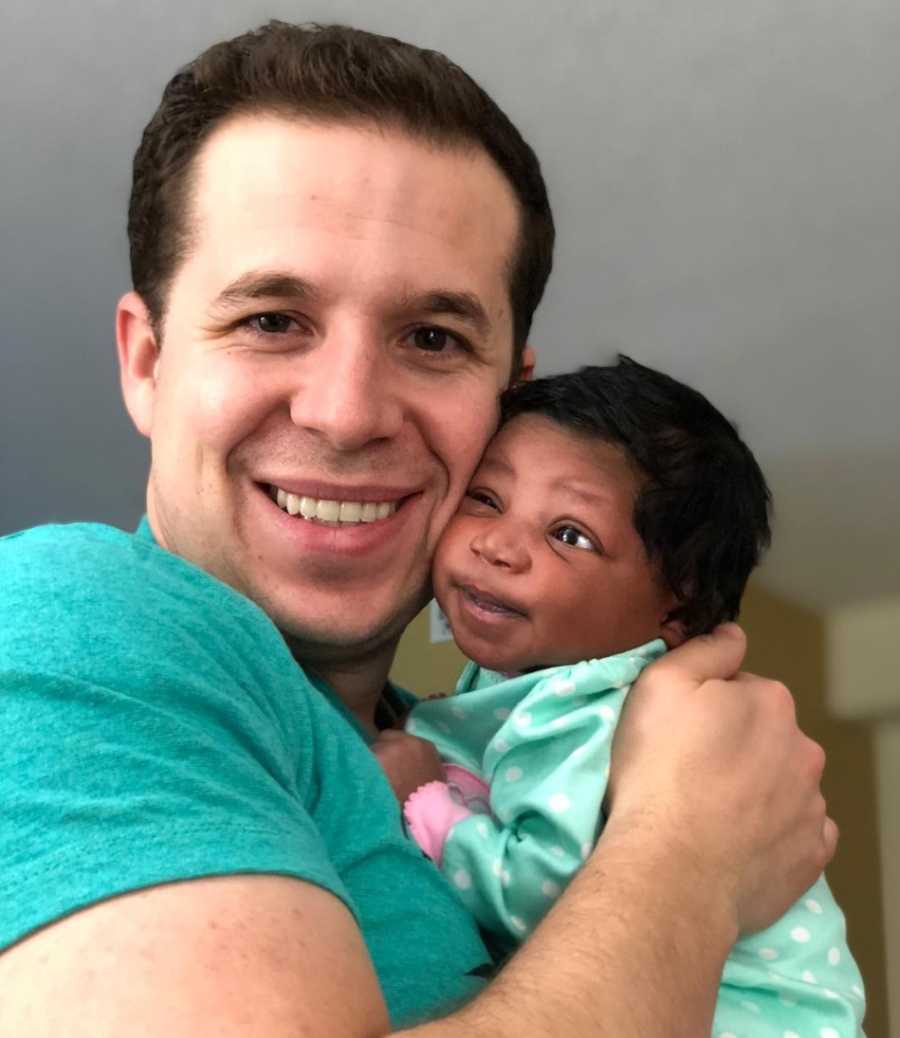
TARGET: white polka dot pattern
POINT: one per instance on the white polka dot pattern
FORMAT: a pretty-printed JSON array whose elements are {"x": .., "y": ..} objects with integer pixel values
[
  {"x": 562, "y": 686},
  {"x": 462, "y": 880}
]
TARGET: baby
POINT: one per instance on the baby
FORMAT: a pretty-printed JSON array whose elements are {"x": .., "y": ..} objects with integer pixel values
[{"x": 615, "y": 513}]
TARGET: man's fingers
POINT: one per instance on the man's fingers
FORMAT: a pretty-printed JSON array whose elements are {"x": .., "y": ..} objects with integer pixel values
[{"x": 715, "y": 656}]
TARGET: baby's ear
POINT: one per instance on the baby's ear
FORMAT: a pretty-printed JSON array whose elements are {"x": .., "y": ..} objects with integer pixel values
[
  {"x": 672, "y": 631},
  {"x": 526, "y": 366}
]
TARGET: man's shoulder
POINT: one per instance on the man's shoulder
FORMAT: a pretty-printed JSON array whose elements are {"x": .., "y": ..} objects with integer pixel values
[
  {"x": 70, "y": 553},
  {"x": 46, "y": 563},
  {"x": 76, "y": 591},
  {"x": 85, "y": 560},
  {"x": 80, "y": 535},
  {"x": 93, "y": 615}
]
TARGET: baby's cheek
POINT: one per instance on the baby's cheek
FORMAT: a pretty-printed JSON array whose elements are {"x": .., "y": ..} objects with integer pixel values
[{"x": 575, "y": 628}]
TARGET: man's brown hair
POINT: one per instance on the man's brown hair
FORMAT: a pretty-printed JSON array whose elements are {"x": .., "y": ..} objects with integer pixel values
[{"x": 330, "y": 74}]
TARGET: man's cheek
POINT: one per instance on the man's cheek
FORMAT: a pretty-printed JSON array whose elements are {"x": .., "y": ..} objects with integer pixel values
[{"x": 223, "y": 407}]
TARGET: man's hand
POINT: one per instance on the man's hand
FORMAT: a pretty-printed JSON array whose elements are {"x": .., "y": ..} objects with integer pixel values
[
  {"x": 408, "y": 762},
  {"x": 713, "y": 758}
]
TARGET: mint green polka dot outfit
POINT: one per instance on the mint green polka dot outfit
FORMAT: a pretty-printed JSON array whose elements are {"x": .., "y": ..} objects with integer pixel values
[{"x": 541, "y": 743}]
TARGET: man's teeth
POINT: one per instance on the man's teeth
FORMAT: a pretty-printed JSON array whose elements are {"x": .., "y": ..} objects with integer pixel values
[{"x": 334, "y": 511}]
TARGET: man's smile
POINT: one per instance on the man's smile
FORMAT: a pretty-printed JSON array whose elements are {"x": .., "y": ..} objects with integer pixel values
[
  {"x": 338, "y": 520},
  {"x": 330, "y": 510}
]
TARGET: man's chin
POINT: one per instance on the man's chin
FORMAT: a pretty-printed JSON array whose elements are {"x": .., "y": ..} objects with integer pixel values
[{"x": 351, "y": 637}]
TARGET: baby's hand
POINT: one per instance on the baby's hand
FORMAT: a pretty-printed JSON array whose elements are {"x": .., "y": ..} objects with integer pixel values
[{"x": 408, "y": 762}]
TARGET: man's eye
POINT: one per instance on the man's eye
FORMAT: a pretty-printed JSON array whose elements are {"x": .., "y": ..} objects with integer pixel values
[
  {"x": 434, "y": 340},
  {"x": 573, "y": 537},
  {"x": 271, "y": 323}
]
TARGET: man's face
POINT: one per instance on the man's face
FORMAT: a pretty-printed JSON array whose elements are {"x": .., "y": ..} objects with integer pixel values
[
  {"x": 542, "y": 565},
  {"x": 333, "y": 350}
]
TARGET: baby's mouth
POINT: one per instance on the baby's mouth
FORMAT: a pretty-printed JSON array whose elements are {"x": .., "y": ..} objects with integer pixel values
[{"x": 490, "y": 603}]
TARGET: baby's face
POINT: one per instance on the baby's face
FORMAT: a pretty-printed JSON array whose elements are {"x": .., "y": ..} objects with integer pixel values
[{"x": 541, "y": 564}]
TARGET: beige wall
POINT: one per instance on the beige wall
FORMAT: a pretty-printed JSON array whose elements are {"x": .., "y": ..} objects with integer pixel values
[
  {"x": 424, "y": 668},
  {"x": 786, "y": 642}
]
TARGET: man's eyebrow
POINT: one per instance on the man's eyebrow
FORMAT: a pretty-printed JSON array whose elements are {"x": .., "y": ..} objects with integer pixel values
[
  {"x": 268, "y": 284},
  {"x": 262, "y": 284},
  {"x": 465, "y": 305}
]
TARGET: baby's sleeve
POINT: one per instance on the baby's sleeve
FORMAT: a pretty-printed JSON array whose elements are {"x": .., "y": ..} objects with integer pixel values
[
  {"x": 547, "y": 769},
  {"x": 796, "y": 977}
]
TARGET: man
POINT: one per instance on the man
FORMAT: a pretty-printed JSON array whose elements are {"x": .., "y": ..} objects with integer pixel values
[{"x": 338, "y": 242}]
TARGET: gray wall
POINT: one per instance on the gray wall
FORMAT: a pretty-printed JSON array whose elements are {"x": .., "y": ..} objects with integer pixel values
[{"x": 725, "y": 176}]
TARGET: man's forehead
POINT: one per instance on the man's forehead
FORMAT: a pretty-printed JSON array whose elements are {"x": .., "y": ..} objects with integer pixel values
[
  {"x": 332, "y": 164},
  {"x": 269, "y": 185}
]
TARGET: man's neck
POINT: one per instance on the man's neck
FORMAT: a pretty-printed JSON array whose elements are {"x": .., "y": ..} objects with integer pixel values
[{"x": 358, "y": 682}]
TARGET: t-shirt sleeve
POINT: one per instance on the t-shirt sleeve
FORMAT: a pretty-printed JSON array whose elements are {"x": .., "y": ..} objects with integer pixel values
[{"x": 148, "y": 733}]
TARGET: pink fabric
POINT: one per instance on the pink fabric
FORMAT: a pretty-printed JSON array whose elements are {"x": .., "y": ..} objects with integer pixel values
[{"x": 433, "y": 810}]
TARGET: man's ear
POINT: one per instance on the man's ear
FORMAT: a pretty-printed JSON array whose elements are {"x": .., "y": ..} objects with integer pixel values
[
  {"x": 526, "y": 367},
  {"x": 138, "y": 360}
]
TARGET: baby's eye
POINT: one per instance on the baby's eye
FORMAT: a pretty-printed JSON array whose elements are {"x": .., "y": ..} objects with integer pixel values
[
  {"x": 573, "y": 537},
  {"x": 481, "y": 497}
]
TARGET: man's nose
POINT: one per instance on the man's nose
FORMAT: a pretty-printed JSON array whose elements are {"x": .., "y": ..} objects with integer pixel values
[
  {"x": 349, "y": 396},
  {"x": 503, "y": 543}
]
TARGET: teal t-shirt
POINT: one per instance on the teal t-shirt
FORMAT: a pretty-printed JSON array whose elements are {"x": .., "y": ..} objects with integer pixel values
[{"x": 154, "y": 727}]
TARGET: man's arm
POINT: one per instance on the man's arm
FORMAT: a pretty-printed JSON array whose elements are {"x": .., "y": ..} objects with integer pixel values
[
  {"x": 234, "y": 957},
  {"x": 717, "y": 825}
]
